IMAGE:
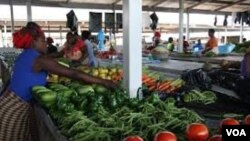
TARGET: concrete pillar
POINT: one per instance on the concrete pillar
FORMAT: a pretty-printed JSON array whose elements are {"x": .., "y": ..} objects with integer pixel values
[
  {"x": 1, "y": 37},
  {"x": 12, "y": 17},
  {"x": 132, "y": 45},
  {"x": 225, "y": 37},
  {"x": 187, "y": 27},
  {"x": 5, "y": 35},
  {"x": 61, "y": 35},
  {"x": 241, "y": 30},
  {"x": 29, "y": 10},
  {"x": 181, "y": 12}
]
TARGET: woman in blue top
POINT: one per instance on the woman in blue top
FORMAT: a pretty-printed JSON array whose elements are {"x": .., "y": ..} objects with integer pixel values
[{"x": 31, "y": 68}]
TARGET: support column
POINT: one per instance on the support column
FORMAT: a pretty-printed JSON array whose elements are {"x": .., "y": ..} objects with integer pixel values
[
  {"x": 132, "y": 45},
  {"x": 29, "y": 11},
  {"x": 1, "y": 37},
  {"x": 5, "y": 35},
  {"x": 187, "y": 27},
  {"x": 241, "y": 30},
  {"x": 61, "y": 35},
  {"x": 12, "y": 17},
  {"x": 225, "y": 36},
  {"x": 180, "y": 44},
  {"x": 79, "y": 30}
]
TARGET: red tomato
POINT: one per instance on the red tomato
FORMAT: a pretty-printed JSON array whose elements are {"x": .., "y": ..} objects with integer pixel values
[
  {"x": 133, "y": 138},
  {"x": 216, "y": 138},
  {"x": 247, "y": 120},
  {"x": 165, "y": 136},
  {"x": 197, "y": 132},
  {"x": 228, "y": 121}
]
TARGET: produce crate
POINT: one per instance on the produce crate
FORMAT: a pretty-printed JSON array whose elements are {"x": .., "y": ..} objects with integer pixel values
[{"x": 47, "y": 130}]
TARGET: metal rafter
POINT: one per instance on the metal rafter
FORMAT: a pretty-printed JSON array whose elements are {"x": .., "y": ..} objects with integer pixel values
[
  {"x": 197, "y": 4},
  {"x": 229, "y": 5}
]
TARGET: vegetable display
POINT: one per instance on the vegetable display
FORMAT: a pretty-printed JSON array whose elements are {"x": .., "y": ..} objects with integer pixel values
[
  {"x": 228, "y": 121},
  {"x": 92, "y": 112},
  {"x": 197, "y": 132},
  {"x": 205, "y": 97},
  {"x": 241, "y": 48},
  {"x": 157, "y": 82},
  {"x": 247, "y": 120},
  {"x": 216, "y": 138},
  {"x": 165, "y": 136}
]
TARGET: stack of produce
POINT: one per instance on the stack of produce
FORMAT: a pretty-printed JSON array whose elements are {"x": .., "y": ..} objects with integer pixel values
[
  {"x": 241, "y": 48},
  {"x": 105, "y": 54},
  {"x": 94, "y": 113},
  {"x": 108, "y": 73},
  {"x": 157, "y": 82},
  {"x": 160, "y": 53},
  {"x": 206, "y": 97}
]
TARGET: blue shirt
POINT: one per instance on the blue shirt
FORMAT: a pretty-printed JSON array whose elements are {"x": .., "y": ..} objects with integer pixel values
[
  {"x": 199, "y": 46},
  {"x": 23, "y": 77},
  {"x": 91, "y": 56}
]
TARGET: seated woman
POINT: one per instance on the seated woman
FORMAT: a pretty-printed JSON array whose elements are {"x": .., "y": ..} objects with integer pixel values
[{"x": 74, "y": 49}]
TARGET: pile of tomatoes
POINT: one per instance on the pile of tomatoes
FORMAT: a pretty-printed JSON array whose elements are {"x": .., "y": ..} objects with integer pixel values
[{"x": 194, "y": 132}]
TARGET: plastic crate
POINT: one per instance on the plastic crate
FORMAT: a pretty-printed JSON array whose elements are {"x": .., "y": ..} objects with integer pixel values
[{"x": 226, "y": 49}]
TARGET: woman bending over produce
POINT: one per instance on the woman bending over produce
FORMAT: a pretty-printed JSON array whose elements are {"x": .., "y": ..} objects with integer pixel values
[{"x": 31, "y": 68}]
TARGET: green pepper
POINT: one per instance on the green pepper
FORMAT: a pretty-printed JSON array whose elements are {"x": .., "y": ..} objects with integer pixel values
[{"x": 154, "y": 98}]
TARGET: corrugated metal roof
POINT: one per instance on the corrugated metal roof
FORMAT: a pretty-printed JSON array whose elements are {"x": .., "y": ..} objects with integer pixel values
[{"x": 193, "y": 6}]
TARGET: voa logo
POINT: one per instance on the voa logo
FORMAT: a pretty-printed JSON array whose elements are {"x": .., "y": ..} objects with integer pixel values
[{"x": 236, "y": 132}]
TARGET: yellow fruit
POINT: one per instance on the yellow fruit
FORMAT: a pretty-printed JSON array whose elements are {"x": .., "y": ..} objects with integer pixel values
[
  {"x": 108, "y": 78},
  {"x": 113, "y": 70},
  {"x": 102, "y": 75},
  {"x": 95, "y": 73}
]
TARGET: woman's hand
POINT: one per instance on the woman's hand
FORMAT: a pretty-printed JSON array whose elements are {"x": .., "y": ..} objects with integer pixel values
[{"x": 110, "y": 84}]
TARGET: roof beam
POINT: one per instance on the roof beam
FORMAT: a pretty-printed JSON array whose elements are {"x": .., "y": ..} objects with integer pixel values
[
  {"x": 109, "y": 6},
  {"x": 229, "y": 5},
  {"x": 197, "y": 4},
  {"x": 155, "y": 3},
  {"x": 116, "y": 2}
]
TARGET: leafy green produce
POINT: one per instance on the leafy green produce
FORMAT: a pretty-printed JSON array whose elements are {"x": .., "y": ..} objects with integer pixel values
[
  {"x": 206, "y": 97},
  {"x": 112, "y": 115},
  {"x": 85, "y": 89}
]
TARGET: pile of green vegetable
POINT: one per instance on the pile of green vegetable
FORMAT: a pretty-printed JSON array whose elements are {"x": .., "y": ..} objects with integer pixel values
[
  {"x": 241, "y": 48},
  {"x": 92, "y": 112},
  {"x": 206, "y": 97}
]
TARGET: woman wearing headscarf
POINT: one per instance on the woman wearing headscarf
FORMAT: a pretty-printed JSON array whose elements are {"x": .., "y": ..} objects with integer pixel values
[
  {"x": 74, "y": 49},
  {"x": 31, "y": 68}
]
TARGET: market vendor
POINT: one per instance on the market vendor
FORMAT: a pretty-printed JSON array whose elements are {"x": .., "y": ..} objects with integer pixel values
[
  {"x": 51, "y": 47},
  {"x": 30, "y": 69},
  {"x": 170, "y": 45},
  {"x": 74, "y": 49},
  {"x": 90, "y": 48},
  {"x": 156, "y": 38},
  {"x": 212, "y": 43}
]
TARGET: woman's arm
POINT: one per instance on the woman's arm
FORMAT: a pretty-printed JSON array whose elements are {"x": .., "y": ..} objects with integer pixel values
[
  {"x": 50, "y": 65},
  {"x": 57, "y": 54}
]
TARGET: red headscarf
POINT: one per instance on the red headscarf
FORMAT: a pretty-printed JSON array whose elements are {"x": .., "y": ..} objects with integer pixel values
[{"x": 23, "y": 38}]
